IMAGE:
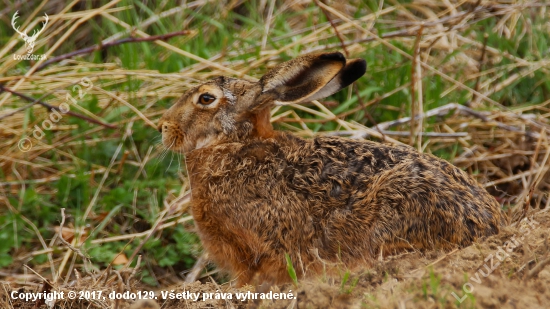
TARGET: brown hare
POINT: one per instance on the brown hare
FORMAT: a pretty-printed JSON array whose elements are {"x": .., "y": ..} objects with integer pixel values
[{"x": 258, "y": 193}]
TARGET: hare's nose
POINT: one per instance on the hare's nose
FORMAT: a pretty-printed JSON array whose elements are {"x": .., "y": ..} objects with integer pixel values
[{"x": 162, "y": 126}]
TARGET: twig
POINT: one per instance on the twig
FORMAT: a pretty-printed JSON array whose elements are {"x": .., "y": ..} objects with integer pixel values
[
  {"x": 22, "y": 108},
  {"x": 134, "y": 271},
  {"x": 437, "y": 261},
  {"x": 363, "y": 134},
  {"x": 267, "y": 22},
  {"x": 439, "y": 111},
  {"x": 416, "y": 52},
  {"x": 480, "y": 68},
  {"x": 66, "y": 243},
  {"x": 70, "y": 246},
  {"x": 77, "y": 275},
  {"x": 428, "y": 134},
  {"x": 334, "y": 27},
  {"x": 344, "y": 48},
  {"x": 103, "y": 46},
  {"x": 51, "y": 107},
  {"x": 540, "y": 266},
  {"x": 40, "y": 276},
  {"x": 197, "y": 268},
  {"x": 442, "y": 258},
  {"x": 445, "y": 109},
  {"x": 543, "y": 170}
]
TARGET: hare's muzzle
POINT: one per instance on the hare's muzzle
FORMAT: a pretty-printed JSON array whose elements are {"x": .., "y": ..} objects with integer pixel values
[{"x": 173, "y": 137}]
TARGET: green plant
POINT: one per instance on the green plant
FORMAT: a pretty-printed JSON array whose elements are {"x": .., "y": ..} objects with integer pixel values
[{"x": 290, "y": 269}]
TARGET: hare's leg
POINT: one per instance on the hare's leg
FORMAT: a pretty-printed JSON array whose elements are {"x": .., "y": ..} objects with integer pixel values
[
  {"x": 264, "y": 274},
  {"x": 247, "y": 254},
  {"x": 245, "y": 277}
]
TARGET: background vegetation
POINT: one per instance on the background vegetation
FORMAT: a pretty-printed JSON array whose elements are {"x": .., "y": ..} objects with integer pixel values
[{"x": 473, "y": 74}]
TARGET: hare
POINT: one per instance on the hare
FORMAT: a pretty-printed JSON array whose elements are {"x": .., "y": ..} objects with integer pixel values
[{"x": 258, "y": 194}]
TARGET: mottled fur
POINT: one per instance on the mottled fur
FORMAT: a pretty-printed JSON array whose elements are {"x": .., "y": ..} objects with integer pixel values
[{"x": 258, "y": 193}]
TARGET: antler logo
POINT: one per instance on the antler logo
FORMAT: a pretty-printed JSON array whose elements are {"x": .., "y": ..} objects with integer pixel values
[{"x": 29, "y": 40}]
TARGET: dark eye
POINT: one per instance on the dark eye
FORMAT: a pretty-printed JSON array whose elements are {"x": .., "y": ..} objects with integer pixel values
[{"x": 206, "y": 99}]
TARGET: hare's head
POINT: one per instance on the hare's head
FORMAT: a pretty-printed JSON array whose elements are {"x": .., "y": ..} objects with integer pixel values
[{"x": 228, "y": 109}]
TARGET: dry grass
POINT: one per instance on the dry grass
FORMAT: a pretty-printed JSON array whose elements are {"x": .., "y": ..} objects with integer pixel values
[{"x": 502, "y": 142}]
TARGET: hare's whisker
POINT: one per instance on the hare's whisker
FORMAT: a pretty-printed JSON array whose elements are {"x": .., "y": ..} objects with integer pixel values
[
  {"x": 180, "y": 157},
  {"x": 170, "y": 164}
]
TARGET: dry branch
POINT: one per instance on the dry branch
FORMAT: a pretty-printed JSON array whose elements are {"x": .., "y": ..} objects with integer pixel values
[
  {"x": 536, "y": 270},
  {"x": 444, "y": 110},
  {"x": 104, "y": 46},
  {"x": 51, "y": 108}
]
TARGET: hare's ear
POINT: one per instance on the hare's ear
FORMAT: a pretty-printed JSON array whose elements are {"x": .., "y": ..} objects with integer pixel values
[{"x": 309, "y": 77}]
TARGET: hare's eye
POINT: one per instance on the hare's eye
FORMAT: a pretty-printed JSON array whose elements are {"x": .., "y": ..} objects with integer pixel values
[{"x": 206, "y": 99}]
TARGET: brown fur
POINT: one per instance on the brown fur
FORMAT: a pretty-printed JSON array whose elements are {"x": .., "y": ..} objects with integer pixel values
[
  {"x": 258, "y": 194},
  {"x": 261, "y": 124}
]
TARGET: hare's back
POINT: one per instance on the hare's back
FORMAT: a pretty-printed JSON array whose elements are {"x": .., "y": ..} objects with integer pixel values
[
  {"x": 392, "y": 191},
  {"x": 361, "y": 163}
]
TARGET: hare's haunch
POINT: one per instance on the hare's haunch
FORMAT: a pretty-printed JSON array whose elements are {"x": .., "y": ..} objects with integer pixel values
[{"x": 258, "y": 193}]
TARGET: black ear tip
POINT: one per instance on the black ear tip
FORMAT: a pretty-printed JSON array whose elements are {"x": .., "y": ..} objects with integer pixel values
[
  {"x": 354, "y": 69},
  {"x": 359, "y": 65},
  {"x": 334, "y": 56}
]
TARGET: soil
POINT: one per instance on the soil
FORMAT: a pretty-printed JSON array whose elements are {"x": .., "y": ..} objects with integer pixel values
[{"x": 508, "y": 270}]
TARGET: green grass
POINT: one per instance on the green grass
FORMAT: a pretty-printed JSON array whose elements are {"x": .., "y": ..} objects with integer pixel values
[
  {"x": 347, "y": 286},
  {"x": 130, "y": 201},
  {"x": 291, "y": 270}
]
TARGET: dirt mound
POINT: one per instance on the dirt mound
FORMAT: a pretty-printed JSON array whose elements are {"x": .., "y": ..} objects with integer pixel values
[{"x": 503, "y": 271}]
